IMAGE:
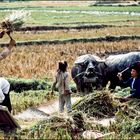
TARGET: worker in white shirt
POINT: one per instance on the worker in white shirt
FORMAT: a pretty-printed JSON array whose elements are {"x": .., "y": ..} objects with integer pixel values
[{"x": 4, "y": 93}]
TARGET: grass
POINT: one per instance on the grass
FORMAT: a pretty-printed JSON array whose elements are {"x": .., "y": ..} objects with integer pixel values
[
  {"x": 28, "y": 99},
  {"x": 47, "y": 18},
  {"x": 72, "y": 5},
  {"x": 58, "y": 18},
  {"x": 44, "y": 13}
]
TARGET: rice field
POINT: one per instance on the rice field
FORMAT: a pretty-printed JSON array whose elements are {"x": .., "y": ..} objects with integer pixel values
[
  {"x": 69, "y": 34},
  {"x": 71, "y": 13},
  {"x": 46, "y": 3},
  {"x": 40, "y": 61},
  {"x": 67, "y": 19}
]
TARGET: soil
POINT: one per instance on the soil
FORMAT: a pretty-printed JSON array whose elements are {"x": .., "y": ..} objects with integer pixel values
[{"x": 43, "y": 111}]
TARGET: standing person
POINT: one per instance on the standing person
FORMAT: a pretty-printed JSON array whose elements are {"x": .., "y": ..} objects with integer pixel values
[
  {"x": 133, "y": 82},
  {"x": 62, "y": 83},
  {"x": 4, "y": 93}
]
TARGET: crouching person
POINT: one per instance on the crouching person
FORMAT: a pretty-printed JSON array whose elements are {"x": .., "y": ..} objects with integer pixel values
[
  {"x": 133, "y": 83},
  {"x": 62, "y": 83},
  {"x": 4, "y": 94}
]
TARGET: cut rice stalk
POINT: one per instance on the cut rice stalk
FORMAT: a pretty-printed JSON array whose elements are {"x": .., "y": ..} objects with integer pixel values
[{"x": 15, "y": 20}]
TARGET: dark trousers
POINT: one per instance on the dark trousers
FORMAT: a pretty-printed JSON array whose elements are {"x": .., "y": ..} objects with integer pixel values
[{"x": 6, "y": 102}]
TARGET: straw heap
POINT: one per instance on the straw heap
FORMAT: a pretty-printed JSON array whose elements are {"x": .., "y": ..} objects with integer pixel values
[{"x": 100, "y": 105}]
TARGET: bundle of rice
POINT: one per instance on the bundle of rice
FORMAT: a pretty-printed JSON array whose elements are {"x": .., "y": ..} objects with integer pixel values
[
  {"x": 14, "y": 20},
  {"x": 135, "y": 104},
  {"x": 51, "y": 128},
  {"x": 78, "y": 120},
  {"x": 100, "y": 105}
]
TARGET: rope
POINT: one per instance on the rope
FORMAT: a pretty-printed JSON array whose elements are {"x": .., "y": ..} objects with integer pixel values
[
  {"x": 78, "y": 75},
  {"x": 99, "y": 74}
]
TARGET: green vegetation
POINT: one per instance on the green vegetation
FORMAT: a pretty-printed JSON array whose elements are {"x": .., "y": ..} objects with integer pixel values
[
  {"x": 15, "y": 6},
  {"x": 52, "y": 128},
  {"x": 42, "y": 18},
  {"x": 125, "y": 126},
  {"x": 70, "y": 15},
  {"x": 98, "y": 104},
  {"x": 22, "y": 101},
  {"x": 19, "y": 85}
]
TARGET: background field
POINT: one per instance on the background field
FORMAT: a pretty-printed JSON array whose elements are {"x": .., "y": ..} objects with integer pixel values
[
  {"x": 39, "y": 61},
  {"x": 72, "y": 13}
]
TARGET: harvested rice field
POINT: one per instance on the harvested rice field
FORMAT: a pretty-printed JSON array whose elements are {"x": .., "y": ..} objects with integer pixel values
[{"x": 64, "y": 30}]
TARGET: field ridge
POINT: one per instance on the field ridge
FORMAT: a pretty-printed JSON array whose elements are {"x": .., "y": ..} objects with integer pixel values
[{"x": 75, "y": 40}]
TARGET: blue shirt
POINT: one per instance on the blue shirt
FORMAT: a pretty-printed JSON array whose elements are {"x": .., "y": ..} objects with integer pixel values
[{"x": 134, "y": 84}]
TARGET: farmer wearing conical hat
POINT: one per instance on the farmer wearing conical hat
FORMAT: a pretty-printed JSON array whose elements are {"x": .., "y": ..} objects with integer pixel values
[{"x": 133, "y": 82}]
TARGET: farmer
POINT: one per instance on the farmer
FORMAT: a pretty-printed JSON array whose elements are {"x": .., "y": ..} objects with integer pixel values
[
  {"x": 8, "y": 49},
  {"x": 4, "y": 93},
  {"x": 4, "y": 84},
  {"x": 62, "y": 83},
  {"x": 133, "y": 82}
]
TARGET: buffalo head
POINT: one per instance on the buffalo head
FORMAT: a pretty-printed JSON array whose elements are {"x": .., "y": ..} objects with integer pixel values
[{"x": 86, "y": 72}]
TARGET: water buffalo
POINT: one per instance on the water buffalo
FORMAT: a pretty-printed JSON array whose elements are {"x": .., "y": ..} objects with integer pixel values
[
  {"x": 117, "y": 63},
  {"x": 90, "y": 71},
  {"x": 86, "y": 73}
]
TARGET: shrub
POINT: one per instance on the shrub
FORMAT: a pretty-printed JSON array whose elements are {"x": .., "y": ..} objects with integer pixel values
[{"x": 19, "y": 85}]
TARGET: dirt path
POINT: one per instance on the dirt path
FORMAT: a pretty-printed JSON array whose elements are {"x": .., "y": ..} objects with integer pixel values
[
  {"x": 51, "y": 107},
  {"x": 54, "y": 106},
  {"x": 43, "y": 111}
]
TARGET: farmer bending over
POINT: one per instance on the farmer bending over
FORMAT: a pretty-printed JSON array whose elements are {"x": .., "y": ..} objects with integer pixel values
[
  {"x": 62, "y": 83},
  {"x": 133, "y": 82}
]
